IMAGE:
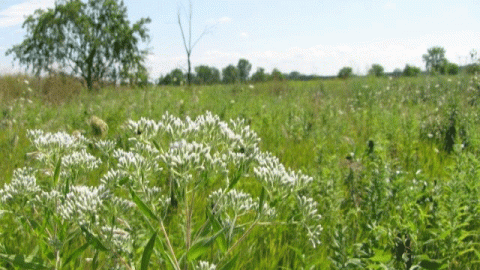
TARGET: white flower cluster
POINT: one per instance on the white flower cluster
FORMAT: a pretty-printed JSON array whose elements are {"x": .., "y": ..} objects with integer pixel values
[
  {"x": 184, "y": 156},
  {"x": 23, "y": 185},
  {"x": 203, "y": 265},
  {"x": 238, "y": 202},
  {"x": 59, "y": 142},
  {"x": 83, "y": 204},
  {"x": 134, "y": 163},
  {"x": 80, "y": 160},
  {"x": 105, "y": 146},
  {"x": 275, "y": 176},
  {"x": 119, "y": 238},
  {"x": 189, "y": 151},
  {"x": 310, "y": 219},
  {"x": 113, "y": 177}
]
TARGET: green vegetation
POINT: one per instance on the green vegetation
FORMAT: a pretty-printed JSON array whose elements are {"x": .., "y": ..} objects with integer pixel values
[{"x": 394, "y": 166}]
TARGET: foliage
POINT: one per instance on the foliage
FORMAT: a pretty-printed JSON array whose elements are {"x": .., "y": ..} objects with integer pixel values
[
  {"x": 434, "y": 59},
  {"x": 93, "y": 40},
  {"x": 449, "y": 68},
  {"x": 244, "y": 68},
  {"x": 230, "y": 74},
  {"x": 411, "y": 71},
  {"x": 260, "y": 75},
  {"x": 345, "y": 72},
  {"x": 394, "y": 166},
  {"x": 277, "y": 75},
  {"x": 207, "y": 75},
  {"x": 376, "y": 70},
  {"x": 175, "y": 77}
]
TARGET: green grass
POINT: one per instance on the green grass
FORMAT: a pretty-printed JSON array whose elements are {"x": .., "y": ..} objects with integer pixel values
[{"x": 407, "y": 202}]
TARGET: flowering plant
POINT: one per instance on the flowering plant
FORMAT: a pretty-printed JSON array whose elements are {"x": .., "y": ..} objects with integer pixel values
[{"x": 184, "y": 191}]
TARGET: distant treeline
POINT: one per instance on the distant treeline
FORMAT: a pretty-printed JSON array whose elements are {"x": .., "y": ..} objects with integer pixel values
[{"x": 435, "y": 63}]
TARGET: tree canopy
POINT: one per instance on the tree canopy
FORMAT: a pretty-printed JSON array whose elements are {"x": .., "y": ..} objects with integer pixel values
[
  {"x": 345, "y": 72},
  {"x": 93, "y": 40},
  {"x": 434, "y": 59},
  {"x": 244, "y": 68}
]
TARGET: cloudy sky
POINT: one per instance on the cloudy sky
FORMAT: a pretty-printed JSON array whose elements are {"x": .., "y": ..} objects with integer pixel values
[{"x": 309, "y": 36}]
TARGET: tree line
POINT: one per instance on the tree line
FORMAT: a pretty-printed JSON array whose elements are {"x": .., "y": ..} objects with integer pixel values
[
  {"x": 95, "y": 41},
  {"x": 239, "y": 73}
]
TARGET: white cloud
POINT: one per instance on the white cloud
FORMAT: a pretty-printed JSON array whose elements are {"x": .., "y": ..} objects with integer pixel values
[
  {"x": 244, "y": 35},
  {"x": 15, "y": 15},
  {"x": 329, "y": 59},
  {"x": 390, "y": 6},
  {"x": 224, "y": 20}
]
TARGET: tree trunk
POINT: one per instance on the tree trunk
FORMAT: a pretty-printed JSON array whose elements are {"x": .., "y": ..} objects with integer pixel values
[
  {"x": 189, "y": 74},
  {"x": 89, "y": 62}
]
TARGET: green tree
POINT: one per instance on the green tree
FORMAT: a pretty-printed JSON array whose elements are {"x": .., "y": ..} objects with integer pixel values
[
  {"x": 434, "y": 59},
  {"x": 376, "y": 70},
  {"x": 230, "y": 74},
  {"x": 260, "y": 75},
  {"x": 244, "y": 68},
  {"x": 277, "y": 75},
  {"x": 207, "y": 75},
  {"x": 449, "y": 68},
  {"x": 175, "y": 77},
  {"x": 474, "y": 66},
  {"x": 294, "y": 75},
  {"x": 345, "y": 72},
  {"x": 93, "y": 40},
  {"x": 411, "y": 71},
  {"x": 397, "y": 72}
]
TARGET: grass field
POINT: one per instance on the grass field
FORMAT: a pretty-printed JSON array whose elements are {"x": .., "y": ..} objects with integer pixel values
[{"x": 390, "y": 164}]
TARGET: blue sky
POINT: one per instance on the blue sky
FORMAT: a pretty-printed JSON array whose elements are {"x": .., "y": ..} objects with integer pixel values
[{"x": 310, "y": 36}]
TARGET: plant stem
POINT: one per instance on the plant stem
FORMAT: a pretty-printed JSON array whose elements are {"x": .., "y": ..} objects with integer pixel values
[{"x": 169, "y": 245}]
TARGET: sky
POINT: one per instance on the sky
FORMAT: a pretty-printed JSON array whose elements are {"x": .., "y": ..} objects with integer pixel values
[{"x": 309, "y": 36}]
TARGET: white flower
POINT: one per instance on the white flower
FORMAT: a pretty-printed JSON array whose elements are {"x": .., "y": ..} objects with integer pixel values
[
  {"x": 23, "y": 185},
  {"x": 203, "y": 265},
  {"x": 83, "y": 204},
  {"x": 80, "y": 159},
  {"x": 310, "y": 219}
]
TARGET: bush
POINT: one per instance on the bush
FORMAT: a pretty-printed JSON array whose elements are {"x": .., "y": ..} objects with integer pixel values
[
  {"x": 345, "y": 72},
  {"x": 411, "y": 71}
]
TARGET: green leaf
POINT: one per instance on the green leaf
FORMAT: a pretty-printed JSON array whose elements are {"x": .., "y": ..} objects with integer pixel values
[
  {"x": 23, "y": 263},
  {"x": 142, "y": 206},
  {"x": 428, "y": 263},
  {"x": 157, "y": 146},
  {"x": 93, "y": 240},
  {"x": 261, "y": 202},
  {"x": 147, "y": 252},
  {"x": 237, "y": 177},
  {"x": 201, "y": 246},
  {"x": 95, "y": 261},
  {"x": 56, "y": 174},
  {"x": 76, "y": 253},
  {"x": 381, "y": 256},
  {"x": 217, "y": 226},
  {"x": 230, "y": 264}
]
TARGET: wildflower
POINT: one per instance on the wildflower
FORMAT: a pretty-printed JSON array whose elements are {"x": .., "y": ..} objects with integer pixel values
[
  {"x": 203, "y": 265},
  {"x": 23, "y": 185},
  {"x": 83, "y": 204},
  {"x": 50, "y": 143},
  {"x": 310, "y": 219}
]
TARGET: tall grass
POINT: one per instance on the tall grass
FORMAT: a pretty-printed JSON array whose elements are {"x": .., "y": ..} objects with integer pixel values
[{"x": 394, "y": 161}]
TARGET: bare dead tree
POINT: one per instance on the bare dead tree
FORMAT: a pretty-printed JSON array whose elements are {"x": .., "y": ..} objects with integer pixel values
[{"x": 187, "y": 41}]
